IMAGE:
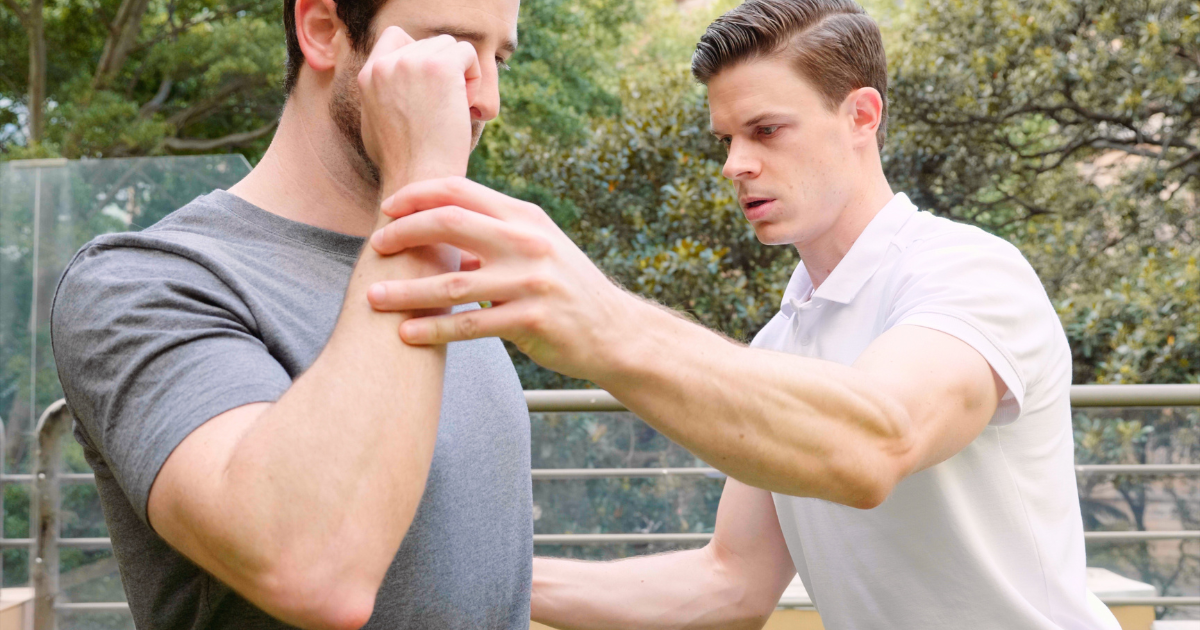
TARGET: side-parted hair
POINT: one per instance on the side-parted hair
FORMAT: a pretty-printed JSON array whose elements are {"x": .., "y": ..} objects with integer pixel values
[
  {"x": 833, "y": 44},
  {"x": 357, "y": 15}
]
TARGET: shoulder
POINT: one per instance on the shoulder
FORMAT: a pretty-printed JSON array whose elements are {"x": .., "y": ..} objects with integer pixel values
[
  {"x": 956, "y": 254},
  {"x": 184, "y": 239}
]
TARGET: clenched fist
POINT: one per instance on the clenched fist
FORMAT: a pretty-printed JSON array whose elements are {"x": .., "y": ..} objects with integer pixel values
[{"x": 416, "y": 117}]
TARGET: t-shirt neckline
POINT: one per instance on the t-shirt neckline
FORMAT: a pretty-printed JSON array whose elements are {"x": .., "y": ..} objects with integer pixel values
[{"x": 302, "y": 233}]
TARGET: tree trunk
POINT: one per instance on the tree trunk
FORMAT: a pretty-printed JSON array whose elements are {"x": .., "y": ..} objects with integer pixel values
[
  {"x": 35, "y": 27},
  {"x": 121, "y": 38}
]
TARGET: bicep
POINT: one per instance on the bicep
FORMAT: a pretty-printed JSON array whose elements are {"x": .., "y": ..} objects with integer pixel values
[
  {"x": 747, "y": 538},
  {"x": 947, "y": 387}
]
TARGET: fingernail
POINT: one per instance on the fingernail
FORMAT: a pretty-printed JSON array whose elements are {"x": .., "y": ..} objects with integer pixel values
[
  {"x": 377, "y": 292},
  {"x": 410, "y": 332},
  {"x": 377, "y": 240}
]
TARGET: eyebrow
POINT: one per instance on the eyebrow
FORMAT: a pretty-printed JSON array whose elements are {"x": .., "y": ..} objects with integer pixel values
[
  {"x": 475, "y": 37},
  {"x": 752, "y": 122}
]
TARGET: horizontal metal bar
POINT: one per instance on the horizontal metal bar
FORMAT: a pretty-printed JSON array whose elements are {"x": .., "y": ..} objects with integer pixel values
[
  {"x": 602, "y": 473},
  {"x": 611, "y": 473},
  {"x": 38, "y": 163},
  {"x": 62, "y": 477},
  {"x": 540, "y": 400},
  {"x": 617, "y": 539},
  {"x": 92, "y": 607},
  {"x": 1137, "y": 536},
  {"x": 1108, "y": 601},
  {"x": 1135, "y": 395},
  {"x": 1151, "y": 601},
  {"x": 74, "y": 543},
  {"x": 558, "y": 474},
  {"x": 1138, "y": 469},
  {"x": 544, "y": 400},
  {"x": 604, "y": 539}
]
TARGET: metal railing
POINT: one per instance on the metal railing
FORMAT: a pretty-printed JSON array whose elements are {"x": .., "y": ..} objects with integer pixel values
[{"x": 56, "y": 420}]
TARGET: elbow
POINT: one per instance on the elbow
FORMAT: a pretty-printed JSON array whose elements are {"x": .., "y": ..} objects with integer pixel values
[
  {"x": 868, "y": 493},
  {"x": 317, "y": 599},
  {"x": 887, "y": 458},
  {"x": 754, "y": 611}
]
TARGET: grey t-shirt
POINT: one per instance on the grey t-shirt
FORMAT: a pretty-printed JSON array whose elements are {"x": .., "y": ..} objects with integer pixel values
[{"x": 222, "y": 304}]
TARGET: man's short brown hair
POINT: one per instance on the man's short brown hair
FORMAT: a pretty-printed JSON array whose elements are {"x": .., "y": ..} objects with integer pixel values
[{"x": 833, "y": 44}]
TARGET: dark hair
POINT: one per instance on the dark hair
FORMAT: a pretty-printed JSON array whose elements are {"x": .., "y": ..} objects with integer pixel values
[
  {"x": 357, "y": 15},
  {"x": 833, "y": 44}
]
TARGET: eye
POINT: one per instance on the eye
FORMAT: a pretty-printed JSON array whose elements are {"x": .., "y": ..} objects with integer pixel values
[
  {"x": 502, "y": 65},
  {"x": 768, "y": 131},
  {"x": 725, "y": 141}
]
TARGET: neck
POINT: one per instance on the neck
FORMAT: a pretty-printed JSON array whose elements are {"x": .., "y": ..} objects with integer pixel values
[
  {"x": 308, "y": 173},
  {"x": 822, "y": 254}
]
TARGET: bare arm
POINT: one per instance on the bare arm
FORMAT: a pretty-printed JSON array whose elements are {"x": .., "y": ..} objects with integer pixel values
[
  {"x": 776, "y": 421},
  {"x": 734, "y": 582},
  {"x": 807, "y": 427},
  {"x": 301, "y": 505}
]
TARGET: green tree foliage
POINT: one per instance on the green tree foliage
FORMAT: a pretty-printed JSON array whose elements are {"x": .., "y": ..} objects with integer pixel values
[
  {"x": 1072, "y": 129},
  {"x": 139, "y": 77}
]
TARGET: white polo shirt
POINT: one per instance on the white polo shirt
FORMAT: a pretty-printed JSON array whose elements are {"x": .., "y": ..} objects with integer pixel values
[{"x": 992, "y": 537}]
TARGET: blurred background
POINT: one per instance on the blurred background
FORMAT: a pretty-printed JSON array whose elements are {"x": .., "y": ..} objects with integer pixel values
[{"x": 1068, "y": 127}]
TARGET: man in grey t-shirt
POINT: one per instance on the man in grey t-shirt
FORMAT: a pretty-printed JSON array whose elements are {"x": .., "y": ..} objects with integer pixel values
[{"x": 269, "y": 454}]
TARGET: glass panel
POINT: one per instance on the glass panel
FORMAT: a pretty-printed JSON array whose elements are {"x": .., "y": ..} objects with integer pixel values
[{"x": 48, "y": 210}]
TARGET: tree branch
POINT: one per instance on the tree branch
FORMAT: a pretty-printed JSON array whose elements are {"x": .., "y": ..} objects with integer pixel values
[
  {"x": 171, "y": 30},
  {"x": 187, "y": 115},
  {"x": 208, "y": 144},
  {"x": 156, "y": 103},
  {"x": 16, "y": 8},
  {"x": 121, "y": 38}
]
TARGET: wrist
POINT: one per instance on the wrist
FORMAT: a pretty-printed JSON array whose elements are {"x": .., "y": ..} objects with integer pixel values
[{"x": 632, "y": 342}]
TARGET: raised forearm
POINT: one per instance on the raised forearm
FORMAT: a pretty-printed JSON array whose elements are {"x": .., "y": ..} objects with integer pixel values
[
  {"x": 690, "y": 589},
  {"x": 776, "y": 421},
  {"x": 317, "y": 492}
]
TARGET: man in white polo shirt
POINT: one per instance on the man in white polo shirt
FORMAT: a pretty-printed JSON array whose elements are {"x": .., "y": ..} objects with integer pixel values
[{"x": 899, "y": 433}]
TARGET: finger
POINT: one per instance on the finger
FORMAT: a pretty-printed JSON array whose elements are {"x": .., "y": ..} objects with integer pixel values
[
  {"x": 468, "y": 56},
  {"x": 390, "y": 40},
  {"x": 476, "y": 324},
  {"x": 441, "y": 291},
  {"x": 450, "y": 191},
  {"x": 469, "y": 261},
  {"x": 451, "y": 225}
]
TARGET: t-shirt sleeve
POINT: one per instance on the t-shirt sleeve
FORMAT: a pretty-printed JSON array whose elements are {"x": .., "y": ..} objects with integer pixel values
[
  {"x": 985, "y": 294},
  {"x": 149, "y": 345}
]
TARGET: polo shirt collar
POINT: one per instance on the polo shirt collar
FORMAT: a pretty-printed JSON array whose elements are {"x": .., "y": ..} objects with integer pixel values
[{"x": 858, "y": 265}]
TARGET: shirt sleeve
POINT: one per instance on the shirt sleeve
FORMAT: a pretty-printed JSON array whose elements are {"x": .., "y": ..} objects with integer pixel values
[
  {"x": 149, "y": 345},
  {"x": 986, "y": 294}
]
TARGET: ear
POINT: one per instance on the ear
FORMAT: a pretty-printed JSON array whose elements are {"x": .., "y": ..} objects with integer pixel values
[
  {"x": 320, "y": 32},
  {"x": 865, "y": 107}
]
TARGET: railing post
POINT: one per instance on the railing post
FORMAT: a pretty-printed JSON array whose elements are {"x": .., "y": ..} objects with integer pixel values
[
  {"x": 50, "y": 429},
  {"x": 3, "y": 471}
]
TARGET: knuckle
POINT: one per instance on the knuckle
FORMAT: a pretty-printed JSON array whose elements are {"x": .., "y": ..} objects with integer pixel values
[
  {"x": 534, "y": 319},
  {"x": 468, "y": 326},
  {"x": 539, "y": 283},
  {"x": 533, "y": 245},
  {"x": 457, "y": 185},
  {"x": 457, "y": 288},
  {"x": 452, "y": 217}
]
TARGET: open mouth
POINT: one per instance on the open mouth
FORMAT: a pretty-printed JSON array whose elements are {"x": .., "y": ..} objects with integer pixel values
[{"x": 757, "y": 203}]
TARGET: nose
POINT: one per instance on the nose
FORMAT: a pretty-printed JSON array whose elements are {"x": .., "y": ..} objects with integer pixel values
[
  {"x": 485, "y": 103},
  {"x": 740, "y": 164}
]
